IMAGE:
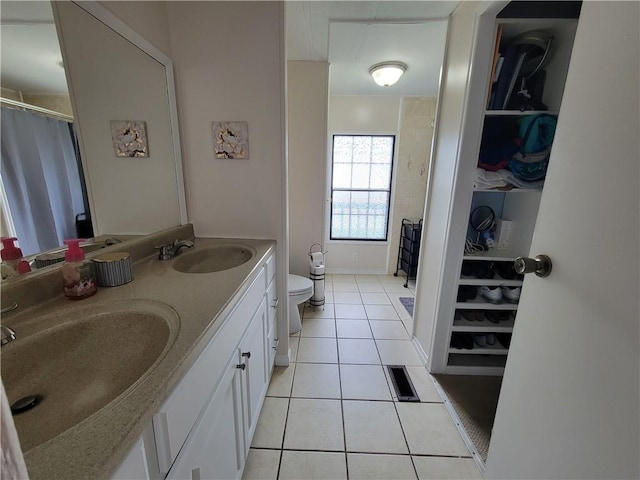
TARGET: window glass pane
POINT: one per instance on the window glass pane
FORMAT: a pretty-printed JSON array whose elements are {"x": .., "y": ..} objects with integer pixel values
[
  {"x": 380, "y": 176},
  {"x": 360, "y": 175},
  {"x": 342, "y": 147},
  {"x": 362, "y": 149},
  {"x": 341, "y": 175},
  {"x": 382, "y": 150}
]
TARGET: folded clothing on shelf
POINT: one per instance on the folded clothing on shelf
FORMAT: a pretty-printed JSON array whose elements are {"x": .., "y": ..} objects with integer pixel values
[{"x": 501, "y": 179}]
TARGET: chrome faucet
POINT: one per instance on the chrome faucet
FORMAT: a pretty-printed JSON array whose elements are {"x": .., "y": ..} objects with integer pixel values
[
  {"x": 167, "y": 252},
  {"x": 8, "y": 335}
]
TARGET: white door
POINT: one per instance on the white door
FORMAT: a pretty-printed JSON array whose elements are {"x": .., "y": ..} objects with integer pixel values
[{"x": 569, "y": 406}]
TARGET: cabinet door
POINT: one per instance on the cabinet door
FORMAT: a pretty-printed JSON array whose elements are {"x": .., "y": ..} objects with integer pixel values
[
  {"x": 254, "y": 357},
  {"x": 216, "y": 449}
]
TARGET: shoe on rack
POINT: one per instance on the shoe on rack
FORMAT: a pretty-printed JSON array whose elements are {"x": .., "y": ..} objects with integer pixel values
[
  {"x": 472, "y": 315},
  {"x": 491, "y": 339},
  {"x": 497, "y": 316},
  {"x": 511, "y": 294},
  {"x": 491, "y": 294},
  {"x": 467, "y": 292},
  {"x": 477, "y": 269},
  {"x": 506, "y": 271},
  {"x": 462, "y": 341},
  {"x": 480, "y": 339}
]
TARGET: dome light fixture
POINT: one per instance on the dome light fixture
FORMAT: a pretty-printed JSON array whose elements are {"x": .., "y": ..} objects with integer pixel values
[{"x": 386, "y": 74}]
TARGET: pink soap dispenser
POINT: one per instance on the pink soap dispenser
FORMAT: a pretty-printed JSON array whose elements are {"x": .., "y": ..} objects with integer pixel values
[
  {"x": 12, "y": 256},
  {"x": 78, "y": 275}
]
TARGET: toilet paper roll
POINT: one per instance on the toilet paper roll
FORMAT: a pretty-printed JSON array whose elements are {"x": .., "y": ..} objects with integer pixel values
[
  {"x": 317, "y": 271},
  {"x": 317, "y": 258}
]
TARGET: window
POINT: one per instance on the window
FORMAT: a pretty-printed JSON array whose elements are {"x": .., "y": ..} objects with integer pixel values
[{"x": 361, "y": 186}]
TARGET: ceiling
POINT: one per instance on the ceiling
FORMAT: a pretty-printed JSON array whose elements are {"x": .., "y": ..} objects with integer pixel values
[
  {"x": 353, "y": 35},
  {"x": 31, "y": 59},
  {"x": 350, "y": 35}
]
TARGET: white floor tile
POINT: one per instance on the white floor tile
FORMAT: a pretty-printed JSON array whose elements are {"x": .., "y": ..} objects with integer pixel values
[
  {"x": 271, "y": 423},
  {"x": 328, "y": 296},
  {"x": 445, "y": 468},
  {"x": 281, "y": 381},
  {"x": 371, "y": 288},
  {"x": 375, "y": 299},
  {"x": 318, "y": 327},
  {"x": 294, "y": 342},
  {"x": 381, "y": 312},
  {"x": 351, "y": 298},
  {"x": 429, "y": 430},
  {"x": 358, "y": 351},
  {"x": 314, "y": 424},
  {"x": 319, "y": 312},
  {"x": 353, "y": 328},
  {"x": 389, "y": 330},
  {"x": 262, "y": 465},
  {"x": 364, "y": 382},
  {"x": 316, "y": 380},
  {"x": 362, "y": 434},
  {"x": 396, "y": 288},
  {"x": 423, "y": 384},
  {"x": 317, "y": 350},
  {"x": 350, "y": 311},
  {"x": 343, "y": 278},
  {"x": 313, "y": 466},
  {"x": 345, "y": 287},
  {"x": 380, "y": 467},
  {"x": 397, "y": 352},
  {"x": 363, "y": 278}
]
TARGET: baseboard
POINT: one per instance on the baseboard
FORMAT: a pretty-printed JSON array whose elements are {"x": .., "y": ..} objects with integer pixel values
[
  {"x": 421, "y": 353},
  {"x": 356, "y": 271}
]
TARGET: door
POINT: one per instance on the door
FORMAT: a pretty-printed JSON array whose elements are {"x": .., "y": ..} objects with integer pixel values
[{"x": 569, "y": 402}]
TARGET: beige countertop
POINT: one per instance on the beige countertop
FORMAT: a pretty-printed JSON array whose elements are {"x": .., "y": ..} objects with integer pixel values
[{"x": 95, "y": 447}]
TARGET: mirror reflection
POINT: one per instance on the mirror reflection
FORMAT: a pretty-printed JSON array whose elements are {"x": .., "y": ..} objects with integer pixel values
[{"x": 60, "y": 177}]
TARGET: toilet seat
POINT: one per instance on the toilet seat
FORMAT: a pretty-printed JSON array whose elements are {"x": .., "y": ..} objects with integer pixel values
[
  {"x": 298, "y": 284},
  {"x": 300, "y": 290}
]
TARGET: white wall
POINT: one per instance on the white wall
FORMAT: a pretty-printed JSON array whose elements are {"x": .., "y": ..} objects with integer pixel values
[
  {"x": 229, "y": 65},
  {"x": 441, "y": 181},
  {"x": 366, "y": 115},
  {"x": 307, "y": 102},
  {"x": 111, "y": 79}
]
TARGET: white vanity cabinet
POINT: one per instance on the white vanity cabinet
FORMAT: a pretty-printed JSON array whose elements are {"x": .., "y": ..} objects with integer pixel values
[{"x": 204, "y": 428}]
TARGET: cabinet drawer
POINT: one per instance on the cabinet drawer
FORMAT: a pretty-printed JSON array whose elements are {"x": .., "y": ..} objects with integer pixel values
[{"x": 175, "y": 419}]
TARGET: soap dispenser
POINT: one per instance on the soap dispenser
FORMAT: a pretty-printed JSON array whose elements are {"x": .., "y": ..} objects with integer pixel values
[
  {"x": 78, "y": 275},
  {"x": 12, "y": 256}
]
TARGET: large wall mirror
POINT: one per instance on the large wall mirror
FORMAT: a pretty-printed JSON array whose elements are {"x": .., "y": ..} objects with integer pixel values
[{"x": 113, "y": 75}]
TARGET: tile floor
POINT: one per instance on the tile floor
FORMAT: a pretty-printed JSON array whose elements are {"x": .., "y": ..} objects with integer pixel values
[{"x": 332, "y": 414}]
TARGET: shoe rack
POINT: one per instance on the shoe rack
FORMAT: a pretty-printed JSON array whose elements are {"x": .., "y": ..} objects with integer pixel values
[{"x": 479, "y": 330}]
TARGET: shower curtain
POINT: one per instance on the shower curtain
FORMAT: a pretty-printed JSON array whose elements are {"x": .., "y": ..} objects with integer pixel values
[{"x": 41, "y": 179}]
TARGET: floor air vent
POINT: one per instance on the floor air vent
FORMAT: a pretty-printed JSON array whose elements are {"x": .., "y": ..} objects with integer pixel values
[{"x": 402, "y": 384}]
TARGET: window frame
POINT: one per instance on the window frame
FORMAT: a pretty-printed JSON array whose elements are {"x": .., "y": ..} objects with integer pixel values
[{"x": 389, "y": 191}]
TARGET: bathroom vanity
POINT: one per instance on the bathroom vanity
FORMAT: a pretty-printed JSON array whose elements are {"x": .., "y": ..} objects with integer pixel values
[{"x": 193, "y": 411}]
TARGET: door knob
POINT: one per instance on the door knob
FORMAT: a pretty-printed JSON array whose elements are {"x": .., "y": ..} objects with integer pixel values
[{"x": 541, "y": 265}]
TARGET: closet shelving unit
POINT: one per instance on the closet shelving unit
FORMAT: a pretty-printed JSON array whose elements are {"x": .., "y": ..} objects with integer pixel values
[{"x": 518, "y": 205}]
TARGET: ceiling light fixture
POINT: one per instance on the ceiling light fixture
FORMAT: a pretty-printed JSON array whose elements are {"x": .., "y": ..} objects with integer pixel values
[{"x": 387, "y": 73}]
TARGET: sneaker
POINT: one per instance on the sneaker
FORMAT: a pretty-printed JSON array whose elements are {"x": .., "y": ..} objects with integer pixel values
[
  {"x": 511, "y": 294},
  {"x": 506, "y": 271},
  {"x": 491, "y": 339},
  {"x": 462, "y": 341},
  {"x": 472, "y": 315},
  {"x": 497, "y": 316},
  {"x": 480, "y": 339},
  {"x": 477, "y": 269},
  {"x": 467, "y": 292},
  {"x": 491, "y": 294}
]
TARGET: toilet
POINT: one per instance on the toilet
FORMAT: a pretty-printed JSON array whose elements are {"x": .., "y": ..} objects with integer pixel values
[{"x": 300, "y": 290}]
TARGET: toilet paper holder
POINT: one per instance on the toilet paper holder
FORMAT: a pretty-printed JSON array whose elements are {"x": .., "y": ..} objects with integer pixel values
[{"x": 316, "y": 274}]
